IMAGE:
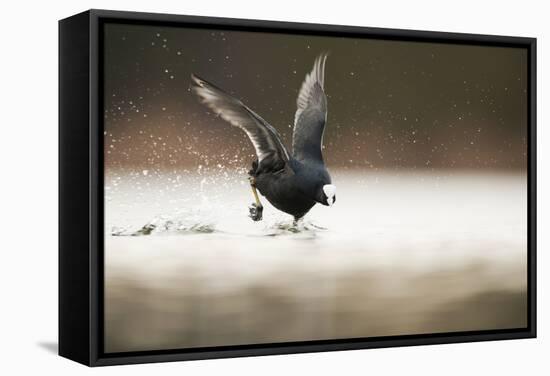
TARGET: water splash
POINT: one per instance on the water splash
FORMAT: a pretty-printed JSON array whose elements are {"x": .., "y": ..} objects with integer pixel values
[
  {"x": 303, "y": 228},
  {"x": 192, "y": 223},
  {"x": 202, "y": 222}
]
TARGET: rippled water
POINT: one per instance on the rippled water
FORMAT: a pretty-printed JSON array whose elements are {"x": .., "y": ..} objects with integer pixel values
[{"x": 399, "y": 253}]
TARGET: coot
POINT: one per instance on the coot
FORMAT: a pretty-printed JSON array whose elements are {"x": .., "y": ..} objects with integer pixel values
[{"x": 291, "y": 182}]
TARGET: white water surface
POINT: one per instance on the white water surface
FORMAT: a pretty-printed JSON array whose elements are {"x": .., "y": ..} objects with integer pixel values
[{"x": 398, "y": 253}]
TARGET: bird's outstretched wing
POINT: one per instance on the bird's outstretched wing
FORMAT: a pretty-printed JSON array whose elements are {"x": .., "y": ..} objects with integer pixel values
[
  {"x": 311, "y": 115},
  {"x": 264, "y": 137}
]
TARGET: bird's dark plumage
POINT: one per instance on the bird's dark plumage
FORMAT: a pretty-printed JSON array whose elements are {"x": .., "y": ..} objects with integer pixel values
[
  {"x": 311, "y": 115},
  {"x": 292, "y": 183}
]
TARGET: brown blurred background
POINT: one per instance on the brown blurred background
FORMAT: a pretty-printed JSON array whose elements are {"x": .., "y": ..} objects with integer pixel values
[{"x": 391, "y": 104}]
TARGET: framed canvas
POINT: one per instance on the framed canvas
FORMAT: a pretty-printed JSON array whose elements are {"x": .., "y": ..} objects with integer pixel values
[{"x": 238, "y": 187}]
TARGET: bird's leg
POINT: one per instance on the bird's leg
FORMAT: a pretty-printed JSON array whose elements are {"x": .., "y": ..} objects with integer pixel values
[{"x": 256, "y": 209}]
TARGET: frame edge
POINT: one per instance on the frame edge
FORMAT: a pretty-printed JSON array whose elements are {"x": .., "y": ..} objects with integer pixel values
[{"x": 74, "y": 221}]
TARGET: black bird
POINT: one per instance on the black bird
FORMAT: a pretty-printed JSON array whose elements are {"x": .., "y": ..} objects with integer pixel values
[{"x": 291, "y": 183}]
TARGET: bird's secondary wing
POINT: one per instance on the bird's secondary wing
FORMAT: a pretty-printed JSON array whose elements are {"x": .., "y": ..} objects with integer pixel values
[
  {"x": 264, "y": 137},
  {"x": 311, "y": 115}
]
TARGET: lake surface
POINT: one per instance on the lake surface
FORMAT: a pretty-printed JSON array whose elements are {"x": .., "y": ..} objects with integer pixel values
[{"x": 399, "y": 253}]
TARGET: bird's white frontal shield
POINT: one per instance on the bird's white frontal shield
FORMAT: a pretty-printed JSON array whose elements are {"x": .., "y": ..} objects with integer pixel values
[{"x": 330, "y": 192}]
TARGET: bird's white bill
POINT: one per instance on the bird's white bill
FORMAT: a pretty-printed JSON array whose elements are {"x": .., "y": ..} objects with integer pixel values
[{"x": 330, "y": 192}]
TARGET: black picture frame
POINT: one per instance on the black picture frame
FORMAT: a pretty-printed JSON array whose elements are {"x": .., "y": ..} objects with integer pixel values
[{"x": 81, "y": 188}]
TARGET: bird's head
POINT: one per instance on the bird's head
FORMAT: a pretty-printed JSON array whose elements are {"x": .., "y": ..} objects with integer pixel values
[{"x": 328, "y": 195}]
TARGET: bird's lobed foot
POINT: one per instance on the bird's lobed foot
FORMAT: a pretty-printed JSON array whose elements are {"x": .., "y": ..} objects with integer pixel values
[{"x": 255, "y": 212}]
